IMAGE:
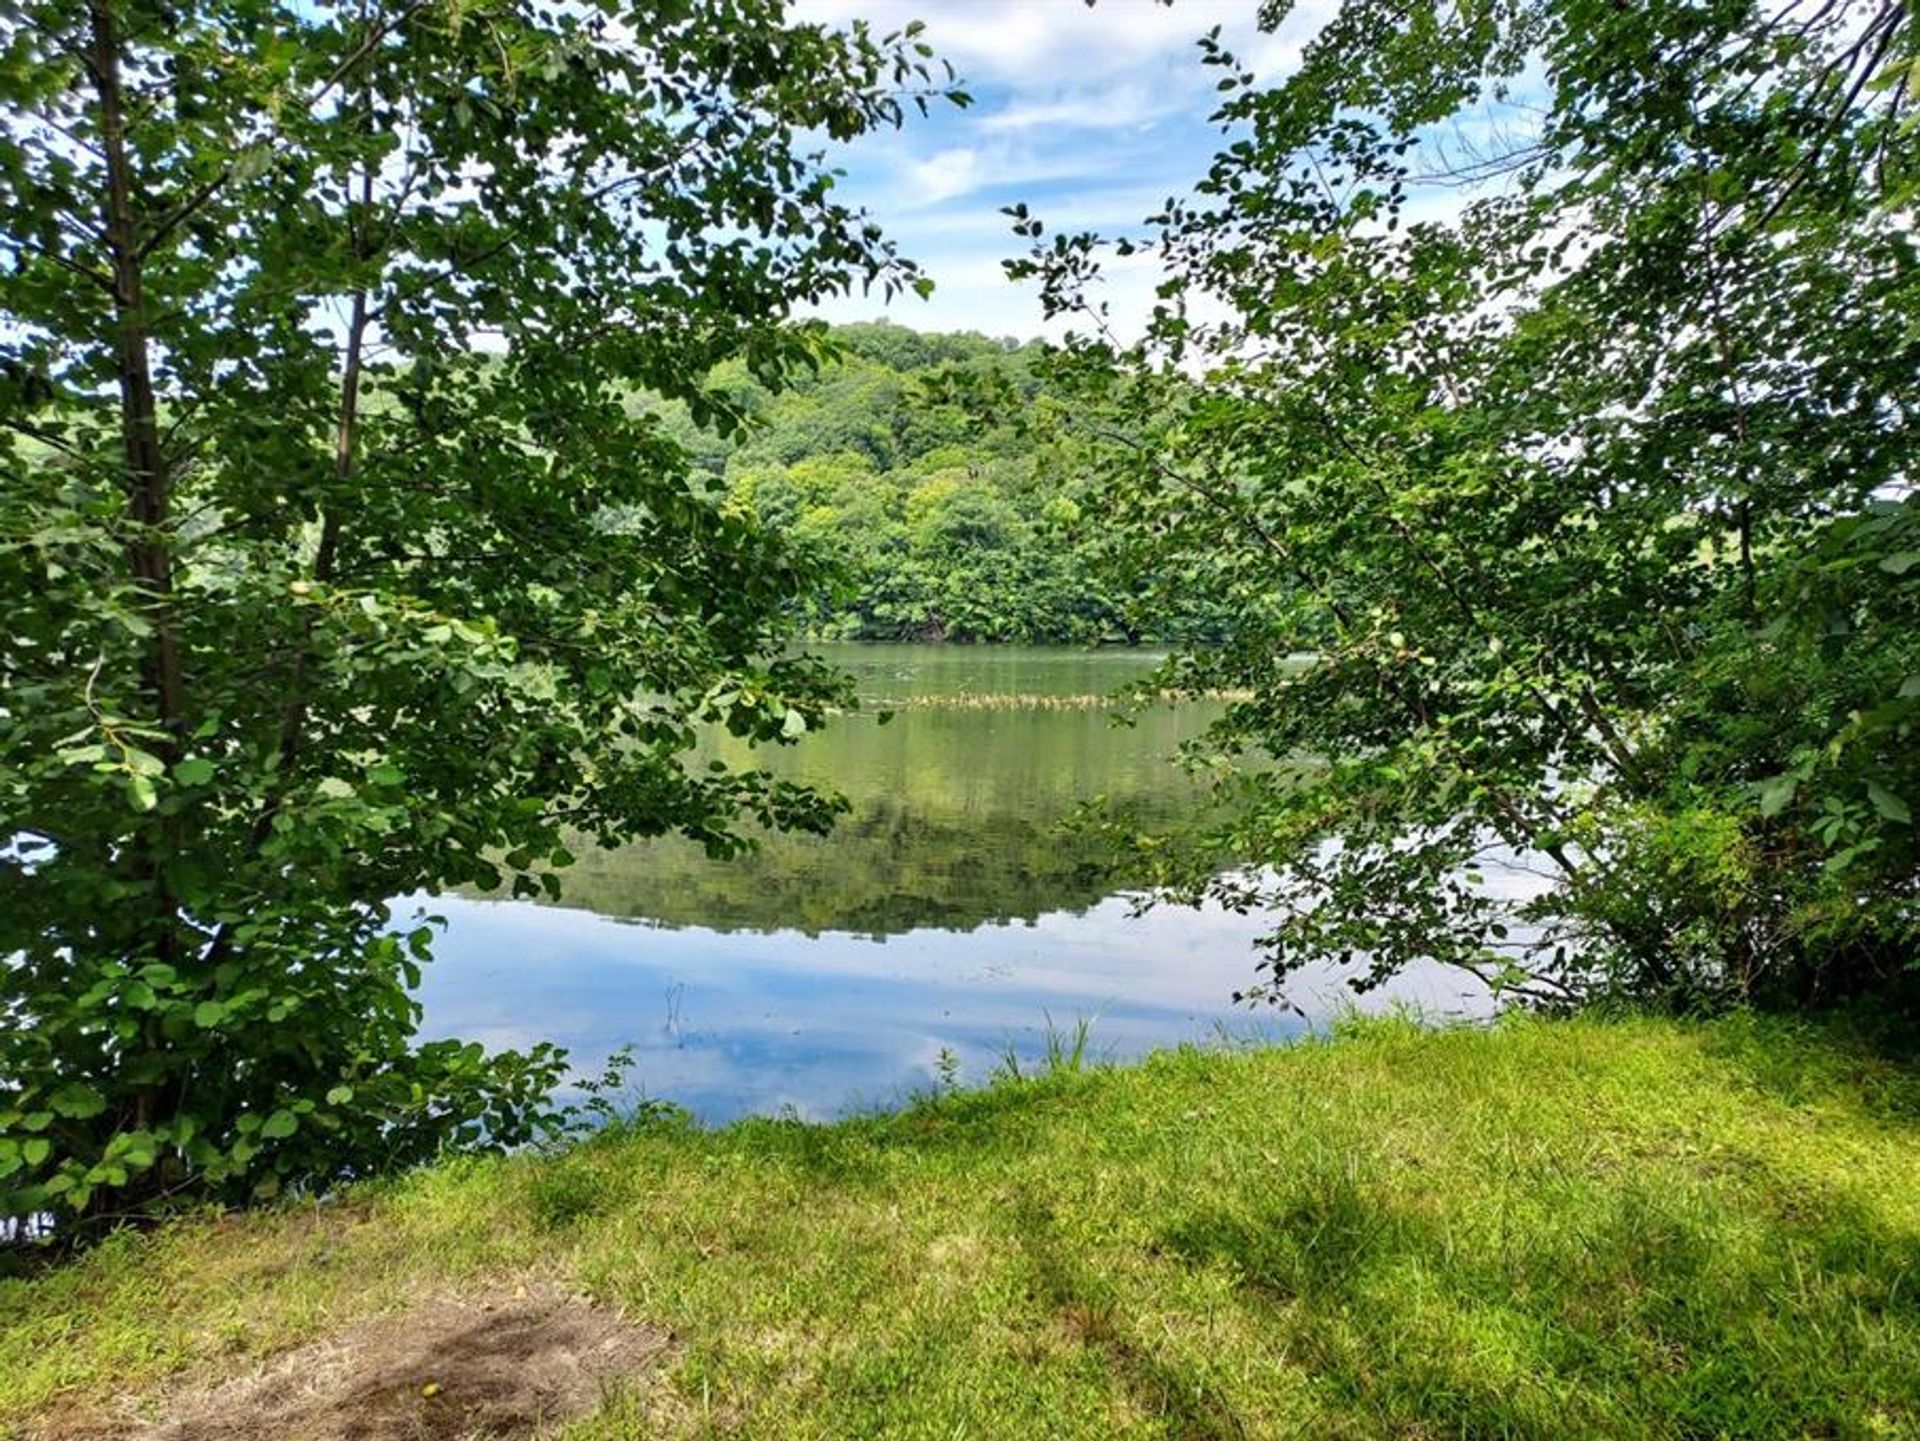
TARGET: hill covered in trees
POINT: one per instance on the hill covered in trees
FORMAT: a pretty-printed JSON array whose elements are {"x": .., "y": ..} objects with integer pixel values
[{"x": 940, "y": 527}]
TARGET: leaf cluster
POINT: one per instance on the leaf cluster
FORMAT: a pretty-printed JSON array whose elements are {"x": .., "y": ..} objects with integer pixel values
[
  {"x": 1546, "y": 370},
  {"x": 338, "y": 565}
]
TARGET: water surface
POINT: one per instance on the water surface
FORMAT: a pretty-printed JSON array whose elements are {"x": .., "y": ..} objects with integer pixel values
[{"x": 955, "y": 912}]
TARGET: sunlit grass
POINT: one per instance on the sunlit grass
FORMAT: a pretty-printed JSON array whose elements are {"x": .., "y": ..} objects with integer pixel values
[{"x": 1580, "y": 1228}]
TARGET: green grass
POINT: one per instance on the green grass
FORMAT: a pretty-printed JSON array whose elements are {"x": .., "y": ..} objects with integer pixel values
[{"x": 1628, "y": 1228}]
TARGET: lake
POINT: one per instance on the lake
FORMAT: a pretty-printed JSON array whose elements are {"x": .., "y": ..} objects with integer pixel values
[{"x": 953, "y": 913}]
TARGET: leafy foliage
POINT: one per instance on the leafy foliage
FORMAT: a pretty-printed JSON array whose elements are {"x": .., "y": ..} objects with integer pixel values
[
  {"x": 930, "y": 524},
  {"x": 1591, "y": 489},
  {"x": 337, "y": 564}
]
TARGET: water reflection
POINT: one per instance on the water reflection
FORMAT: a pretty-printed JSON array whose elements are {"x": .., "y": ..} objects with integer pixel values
[
  {"x": 960, "y": 804},
  {"x": 949, "y": 912},
  {"x": 889, "y": 867}
]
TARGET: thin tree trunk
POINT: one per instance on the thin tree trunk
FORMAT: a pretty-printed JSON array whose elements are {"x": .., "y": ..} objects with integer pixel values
[
  {"x": 150, "y": 554},
  {"x": 326, "y": 556},
  {"x": 147, "y": 480}
]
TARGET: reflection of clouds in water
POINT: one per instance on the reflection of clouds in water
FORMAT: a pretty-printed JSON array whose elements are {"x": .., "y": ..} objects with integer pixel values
[
  {"x": 827, "y": 1024},
  {"x": 774, "y": 987}
]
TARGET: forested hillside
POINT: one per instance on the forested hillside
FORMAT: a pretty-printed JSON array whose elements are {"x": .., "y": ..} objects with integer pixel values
[{"x": 940, "y": 527}]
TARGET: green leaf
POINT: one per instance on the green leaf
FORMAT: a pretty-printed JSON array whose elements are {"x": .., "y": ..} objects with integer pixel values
[
  {"x": 280, "y": 1125},
  {"x": 1889, "y": 805},
  {"x": 541, "y": 573},
  {"x": 193, "y": 771},
  {"x": 143, "y": 763},
  {"x": 1775, "y": 792},
  {"x": 36, "y": 1149},
  {"x": 252, "y": 162},
  {"x": 140, "y": 792},
  {"x": 339, "y": 1095},
  {"x": 77, "y": 1102}
]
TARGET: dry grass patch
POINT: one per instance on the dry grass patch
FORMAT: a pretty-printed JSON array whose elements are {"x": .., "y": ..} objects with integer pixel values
[{"x": 500, "y": 1365}]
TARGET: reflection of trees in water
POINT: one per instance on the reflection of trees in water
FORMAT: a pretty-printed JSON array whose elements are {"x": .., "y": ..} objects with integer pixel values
[
  {"x": 961, "y": 812},
  {"x": 887, "y": 868}
]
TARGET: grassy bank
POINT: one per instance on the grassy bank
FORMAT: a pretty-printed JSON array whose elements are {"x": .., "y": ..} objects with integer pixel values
[{"x": 1552, "y": 1229}]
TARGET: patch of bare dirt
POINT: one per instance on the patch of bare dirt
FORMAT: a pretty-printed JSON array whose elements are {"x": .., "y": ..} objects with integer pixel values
[{"x": 498, "y": 1367}]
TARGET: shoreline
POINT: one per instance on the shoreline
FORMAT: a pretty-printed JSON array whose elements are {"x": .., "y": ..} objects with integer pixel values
[{"x": 1552, "y": 1227}]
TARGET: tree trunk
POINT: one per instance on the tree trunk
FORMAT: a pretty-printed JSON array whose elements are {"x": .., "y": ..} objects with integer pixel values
[
  {"x": 150, "y": 554},
  {"x": 146, "y": 475}
]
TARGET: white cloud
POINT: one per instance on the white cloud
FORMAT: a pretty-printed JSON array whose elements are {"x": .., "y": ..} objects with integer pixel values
[
  {"x": 921, "y": 181},
  {"x": 1118, "y": 107},
  {"x": 1044, "y": 42},
  {"x": 944, "y": 175},
  {"x": 1092, "y": 116},
  {"x": 1029, "y": 40},
  {"x": 1051, "y": 43}
]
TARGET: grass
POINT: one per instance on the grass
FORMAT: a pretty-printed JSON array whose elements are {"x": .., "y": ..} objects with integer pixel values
[
  {"x": 1579, "y": 1228},
  {"x": 1067, "y": 1052}
]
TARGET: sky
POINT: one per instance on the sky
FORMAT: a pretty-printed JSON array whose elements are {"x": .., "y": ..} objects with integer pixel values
[{"x": 1093, "y": 117}]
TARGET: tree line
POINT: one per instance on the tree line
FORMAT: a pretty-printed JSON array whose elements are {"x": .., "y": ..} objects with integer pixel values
[{"x": 933, "y": 520}]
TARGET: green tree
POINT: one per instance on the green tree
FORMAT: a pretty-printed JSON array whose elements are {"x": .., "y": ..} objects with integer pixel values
[
  {"x": 936, "y": 526},
  {"x": 339, "y": 563},
  {"x": 1591, "y": 489}
]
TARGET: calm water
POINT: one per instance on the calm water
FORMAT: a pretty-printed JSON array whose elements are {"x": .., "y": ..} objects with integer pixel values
[{"x": 951, "y": 910}]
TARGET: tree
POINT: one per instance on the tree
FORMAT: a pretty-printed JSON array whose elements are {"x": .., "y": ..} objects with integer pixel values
[
  {"x": 935, "y": 526},
  {"x": 1589, "y": 487},
  {"x": 339, "y": 564}
]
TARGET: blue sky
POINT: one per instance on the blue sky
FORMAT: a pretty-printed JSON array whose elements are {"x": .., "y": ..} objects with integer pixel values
[{"x": 1091, "y": 116}]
